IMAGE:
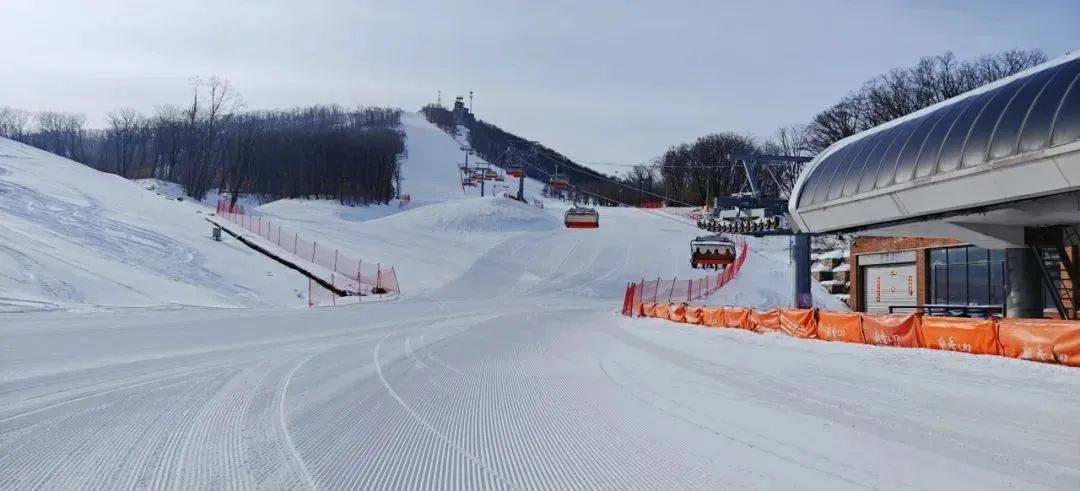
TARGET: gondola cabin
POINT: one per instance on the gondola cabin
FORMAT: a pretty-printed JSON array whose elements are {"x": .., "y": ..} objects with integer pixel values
[
  {"x": 515, "y": 171},
  {"x": 711, "y": 252},
  {"x": 582, "y": 218}
]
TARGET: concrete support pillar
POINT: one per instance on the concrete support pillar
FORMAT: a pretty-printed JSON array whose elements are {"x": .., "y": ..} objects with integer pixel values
[
  {"x": 800, "y": 255},
  {"x": 1023, "y": 284}
]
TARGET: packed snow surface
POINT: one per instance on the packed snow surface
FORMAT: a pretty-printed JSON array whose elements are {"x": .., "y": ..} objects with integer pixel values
[
  {"x": 503, "y": 365},
  {"x": 75, "y": 238}
]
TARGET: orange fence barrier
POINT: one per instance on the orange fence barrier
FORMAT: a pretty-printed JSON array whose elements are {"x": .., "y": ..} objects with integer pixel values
[
  {"x": 712, "y": 316},
  {"x": 678, "y": 313},
  {"x": 799, "y": 323},
  {"x": 976, "y": 336},
  {"x": 694, "y": 314},
  {"x": 840, "y": 326},
  {"x": 663, "y": 311},
  {"x": 765, "y": 321},
  {"x": 1045, "y": 340},
  {"x": 738, "y": 317},
  {"x": 891, "y": 330}
]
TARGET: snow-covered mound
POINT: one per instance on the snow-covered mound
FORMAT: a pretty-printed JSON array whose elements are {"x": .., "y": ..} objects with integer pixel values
[
  {"x": 766, "y": 280},
  {"x": 75, "y": 238},
  {"x": 497, "y": 215}
]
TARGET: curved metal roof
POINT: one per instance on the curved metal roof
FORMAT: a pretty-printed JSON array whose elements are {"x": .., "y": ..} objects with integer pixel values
[{"x": 1033, "y": 111}]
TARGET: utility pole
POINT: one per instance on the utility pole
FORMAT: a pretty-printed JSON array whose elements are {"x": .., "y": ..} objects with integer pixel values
[{"x": 438, "y": 101}]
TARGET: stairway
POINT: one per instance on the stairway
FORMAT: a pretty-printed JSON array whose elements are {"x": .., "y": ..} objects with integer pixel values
[{"x": 1058, "y": 272}]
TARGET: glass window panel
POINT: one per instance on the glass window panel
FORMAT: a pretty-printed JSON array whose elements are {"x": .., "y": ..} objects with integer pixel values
[
  {"x": 997, "y": 255},
  {"x": 938, "y": 256},
  {"x": 976, "y": 254},
  {"x": 978, "y": 283},
  {"x": 1036, "y": 133},
  {"x": 997, "y": 283},
  {"x": 957, "y": 277},
  {"x": 957, "y": 255},
  {"x": 940, "y": 285},
  {"x": 1007, "y": 133},
  {"x": 979, "y": 140}
]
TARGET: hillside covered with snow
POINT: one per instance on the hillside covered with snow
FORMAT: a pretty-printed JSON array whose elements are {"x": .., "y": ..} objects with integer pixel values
[{"x": 75, "y": 238}]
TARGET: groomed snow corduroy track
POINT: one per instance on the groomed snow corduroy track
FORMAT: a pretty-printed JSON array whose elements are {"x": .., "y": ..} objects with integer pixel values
[{"x": 426, "y": 394}]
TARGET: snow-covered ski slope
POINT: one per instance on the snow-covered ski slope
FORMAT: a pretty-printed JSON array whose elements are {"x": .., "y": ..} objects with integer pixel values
[
  {"x": 505, "y": 365},
  {"x": 513, "y": 392},
  {"x": 75, "y": 238}
]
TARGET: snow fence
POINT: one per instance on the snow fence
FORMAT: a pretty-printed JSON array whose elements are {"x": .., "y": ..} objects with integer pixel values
[
  {"x": 357, "y": 275},
  {"x": 1045, "y": 340},
  {"x": 676, "y": 290}
]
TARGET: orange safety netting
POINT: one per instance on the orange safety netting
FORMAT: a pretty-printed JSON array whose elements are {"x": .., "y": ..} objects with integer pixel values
[
  {"x": 765, "y": 321},
  {"x": 678, "y": 312},
  {"x": 738, "y": 317},
  {"x": 891, "y": 330},
  {"x": 799, "y": 323},
  {"x": 712, "y": 316},
  {"x": 1047, "y": 340},
  {"x": 840, "y": 326},
  {"x": 662, "y": 311},
  {"x": 977, "y": 336},
  {"x": 694, "y": 314}
]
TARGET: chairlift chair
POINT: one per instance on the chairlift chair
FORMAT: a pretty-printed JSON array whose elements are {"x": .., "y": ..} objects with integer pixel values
[
  {"x": 581, "y": 217},
  {"x": 559, "y": 181},
  {"x": 516, "y": 171},
  {"x": 711, "y": 251}
]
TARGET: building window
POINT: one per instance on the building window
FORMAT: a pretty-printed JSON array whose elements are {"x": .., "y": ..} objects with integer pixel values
[{"x": 967, "y": 275}]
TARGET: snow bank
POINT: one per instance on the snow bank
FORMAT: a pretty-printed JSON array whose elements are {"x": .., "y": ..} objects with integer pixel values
[{"x": 75, "y": 238}]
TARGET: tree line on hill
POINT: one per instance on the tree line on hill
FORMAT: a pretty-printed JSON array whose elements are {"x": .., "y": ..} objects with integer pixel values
[
  {"x": 329, "y": 152},
  {"x": 696, "y": 172}
]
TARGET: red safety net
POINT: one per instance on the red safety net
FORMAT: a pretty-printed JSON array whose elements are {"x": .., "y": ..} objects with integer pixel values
[
  {"x": 350, "y": 274},
  {"x": 680, "y": 291}
]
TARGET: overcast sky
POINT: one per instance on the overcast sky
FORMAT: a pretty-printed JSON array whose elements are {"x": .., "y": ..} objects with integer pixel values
[{"x": 601, "y": 81}]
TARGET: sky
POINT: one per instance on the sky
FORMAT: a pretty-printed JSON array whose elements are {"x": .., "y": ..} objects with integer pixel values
[{"x": 600, "y": 81}]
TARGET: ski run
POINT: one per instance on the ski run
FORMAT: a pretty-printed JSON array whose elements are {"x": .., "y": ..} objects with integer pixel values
[{"x": 135, "y": 352}]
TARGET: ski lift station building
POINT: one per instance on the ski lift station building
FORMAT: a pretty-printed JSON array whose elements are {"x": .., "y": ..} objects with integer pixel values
[{"x": 995, "y": 170}]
